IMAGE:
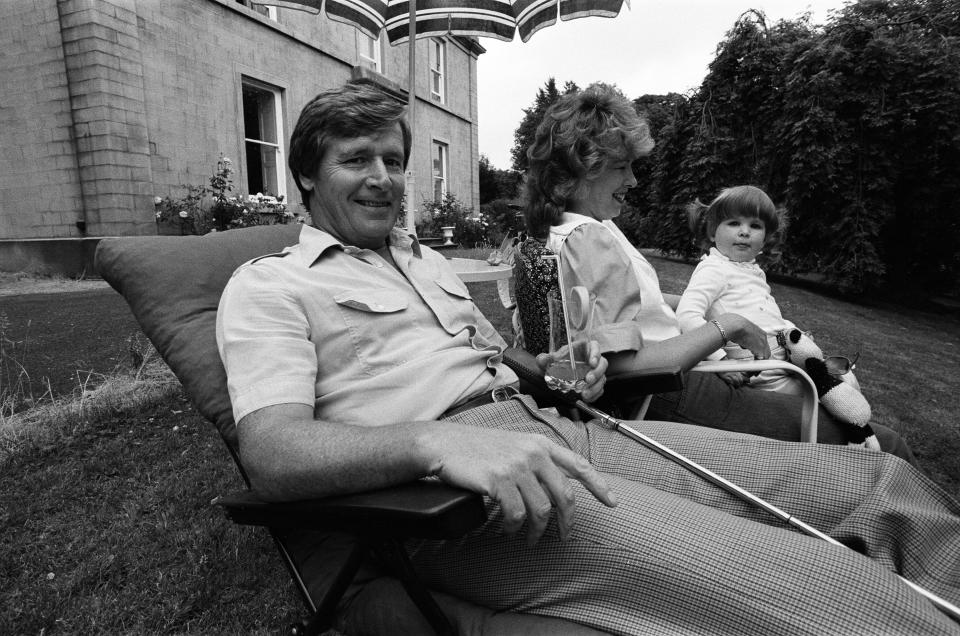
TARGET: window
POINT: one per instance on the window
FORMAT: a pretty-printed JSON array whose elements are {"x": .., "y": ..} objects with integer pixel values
[
  {"x": 368, "y": 50},
  {"x": 269, "y": 12},
  {"x": 263, "y": 135},
  {"x": 438, "y": 59},
  {"x": 440, "y": 168}
]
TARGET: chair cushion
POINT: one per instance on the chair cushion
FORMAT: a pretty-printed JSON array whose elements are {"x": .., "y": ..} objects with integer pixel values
[
  {"x": 534, "y": 278},
  {"x": 173, "y": 286}
]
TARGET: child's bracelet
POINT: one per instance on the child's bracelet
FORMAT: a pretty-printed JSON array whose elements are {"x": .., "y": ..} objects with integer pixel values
[{"x": 723, "y": 334}]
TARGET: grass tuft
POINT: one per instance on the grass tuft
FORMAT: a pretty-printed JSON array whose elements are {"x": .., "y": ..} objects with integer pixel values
[
  {"x": 51, "y": 421},
  {"x": 144, "y": 383}
]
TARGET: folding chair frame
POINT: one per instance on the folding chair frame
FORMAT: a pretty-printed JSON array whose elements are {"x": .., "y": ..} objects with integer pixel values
[{"x": 380, "y": 521}]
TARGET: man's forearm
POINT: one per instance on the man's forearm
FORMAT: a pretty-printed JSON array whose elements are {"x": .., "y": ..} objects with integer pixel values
[{"x": 301, "y": 458}]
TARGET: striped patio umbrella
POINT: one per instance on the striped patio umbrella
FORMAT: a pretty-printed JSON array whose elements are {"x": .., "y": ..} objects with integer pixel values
[
  {"x": 406, "y": 19},
  {"x": 499, "y": 19}
]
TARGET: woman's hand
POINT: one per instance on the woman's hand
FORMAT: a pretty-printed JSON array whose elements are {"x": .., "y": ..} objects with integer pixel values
[{"x": 746, "y": 334}]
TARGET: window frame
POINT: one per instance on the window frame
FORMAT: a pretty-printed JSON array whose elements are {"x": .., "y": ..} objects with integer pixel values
[
  {"x": 267, "y": 11},
  {"x": 440, "y": 150},
  {"x": 438, "y": 71},
  {"x": 278, "y": 131},
  {"x": 374, "y": 63}
]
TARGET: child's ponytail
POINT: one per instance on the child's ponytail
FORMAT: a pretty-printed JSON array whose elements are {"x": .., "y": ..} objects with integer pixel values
[{"x": 697, "y": 221}]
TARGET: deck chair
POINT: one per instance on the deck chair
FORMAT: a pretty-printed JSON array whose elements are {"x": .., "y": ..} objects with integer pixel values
[
  {"x": 535, "y": 277},
  {"x": 173, "y": 286}
]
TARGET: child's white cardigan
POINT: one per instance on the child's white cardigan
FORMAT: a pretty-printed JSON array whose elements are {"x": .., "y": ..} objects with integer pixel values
[{"x": 718, "y": 286}]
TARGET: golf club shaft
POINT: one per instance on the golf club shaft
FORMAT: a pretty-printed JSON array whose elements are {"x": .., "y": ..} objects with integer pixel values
[{"x": 942, "y": 604}]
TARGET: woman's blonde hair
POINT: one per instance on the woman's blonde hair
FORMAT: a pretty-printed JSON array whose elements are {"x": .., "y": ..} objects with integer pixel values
[{"x": 580, "y": 134}]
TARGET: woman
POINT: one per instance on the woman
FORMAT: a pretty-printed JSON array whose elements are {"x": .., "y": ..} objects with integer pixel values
[{"x": 579, "y": 175}]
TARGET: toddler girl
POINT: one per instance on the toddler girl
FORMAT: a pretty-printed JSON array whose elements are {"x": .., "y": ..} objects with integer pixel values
[{"x": 735, "y": 229}]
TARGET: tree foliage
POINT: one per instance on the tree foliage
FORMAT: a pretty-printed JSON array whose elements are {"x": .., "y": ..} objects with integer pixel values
[
  {"x": 525, "y": 132},
  {"x": 495, "y": 183},
  {"x": 853, "y": 126}
]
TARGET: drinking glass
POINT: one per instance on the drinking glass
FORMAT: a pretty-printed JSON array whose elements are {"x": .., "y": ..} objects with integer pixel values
[{"x": 571, "y": 326}]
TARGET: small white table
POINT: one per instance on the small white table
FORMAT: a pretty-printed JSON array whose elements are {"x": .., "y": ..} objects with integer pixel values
[{"x": 474, "y": 270}]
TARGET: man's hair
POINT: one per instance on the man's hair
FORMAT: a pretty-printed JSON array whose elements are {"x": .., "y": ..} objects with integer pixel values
[
  {"x": 355, "y": 109},
  {"x": 579, "y": 135},
  {"x": 748, "y": 201}
]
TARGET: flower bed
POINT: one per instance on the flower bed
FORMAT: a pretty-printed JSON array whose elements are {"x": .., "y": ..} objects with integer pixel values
[{"x": 208, "y": 208}]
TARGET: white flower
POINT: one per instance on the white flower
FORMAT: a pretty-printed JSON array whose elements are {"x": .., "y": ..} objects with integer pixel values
[
  {"x": 184, "y": 214},
  {"x": 158, "y": 216},
  {"x": 227, "y": 161},
  {"x": 157, "y": 200}
]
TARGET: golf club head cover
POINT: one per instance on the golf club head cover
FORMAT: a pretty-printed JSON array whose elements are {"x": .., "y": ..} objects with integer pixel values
[{"x": 841, "y": 399}]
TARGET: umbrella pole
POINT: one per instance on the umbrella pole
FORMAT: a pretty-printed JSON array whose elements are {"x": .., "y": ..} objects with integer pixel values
[
  {"x": 411, "y": 109},
  {"x": 942, "y": 604}
]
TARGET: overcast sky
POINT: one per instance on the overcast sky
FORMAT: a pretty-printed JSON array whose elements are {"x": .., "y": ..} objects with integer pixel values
[{"x": 654, "y": 47}]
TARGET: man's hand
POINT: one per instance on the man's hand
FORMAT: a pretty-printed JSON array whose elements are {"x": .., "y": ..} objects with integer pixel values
[
  {"x": 597, "y": 376},
  {"x": 526, "y": 473},
  {"x": 595, "y": 379}
]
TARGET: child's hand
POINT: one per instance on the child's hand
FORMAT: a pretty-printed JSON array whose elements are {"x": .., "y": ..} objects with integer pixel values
[{"x": 736, "y": 379}]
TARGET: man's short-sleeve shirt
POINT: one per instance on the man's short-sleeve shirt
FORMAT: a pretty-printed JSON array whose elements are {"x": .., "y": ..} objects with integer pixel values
[{"x": 339, "y": 328}]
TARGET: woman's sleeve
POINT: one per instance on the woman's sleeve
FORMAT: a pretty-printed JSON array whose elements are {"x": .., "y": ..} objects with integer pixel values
[
  {"x": 592, "y": 257},
  {"x": 705, "y": 286}
]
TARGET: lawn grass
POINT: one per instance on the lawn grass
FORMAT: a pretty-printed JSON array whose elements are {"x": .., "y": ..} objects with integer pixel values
[
  {"x": 110, "y": 531},
  {"x": 106, "y": 527}
]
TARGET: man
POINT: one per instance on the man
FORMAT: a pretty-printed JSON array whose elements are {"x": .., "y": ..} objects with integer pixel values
[{"x": 343, "y": 351}]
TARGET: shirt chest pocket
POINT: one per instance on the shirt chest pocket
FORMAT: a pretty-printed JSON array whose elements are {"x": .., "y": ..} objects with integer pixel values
[
  {"x": 453, "y": 304},
  {"x": 452, "y": 285},
  {"x": 380, "y": 301},
  {"x": 379, "y": 327}
]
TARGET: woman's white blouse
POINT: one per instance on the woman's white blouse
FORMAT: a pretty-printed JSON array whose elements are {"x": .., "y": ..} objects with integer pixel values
[{"x": 598, "y": 256}]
